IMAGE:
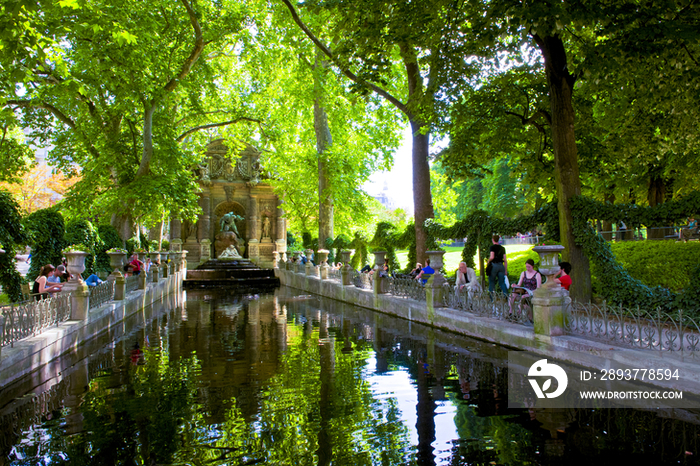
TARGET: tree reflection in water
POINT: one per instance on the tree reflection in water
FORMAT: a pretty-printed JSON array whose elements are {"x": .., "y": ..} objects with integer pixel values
[{"x": 278, "y": 381}]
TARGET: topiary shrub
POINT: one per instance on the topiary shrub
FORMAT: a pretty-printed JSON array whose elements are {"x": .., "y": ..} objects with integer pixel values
[
  {"x": 669, "y": 264},
  {"x": 165, "y": 245},
  {"x": 83, "y": 232},
  {"x": 110, "y": 239},
  {"x": 45, "y": 229},
  {"x": 11, "y": 235}
]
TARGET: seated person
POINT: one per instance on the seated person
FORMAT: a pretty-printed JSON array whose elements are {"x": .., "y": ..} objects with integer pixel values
[
  {"x": 365, "y": 269},
  {"x": 93, "y": 280},
  {"x": 135, "y": 266},
  {"x": 414, "y": 273},
  {"x": 564, "y": 275},
  {"x": 425, "y": 273},
  {"x": 466, "y": 279},
  {"x": 530, "y": 280},
  {"x": 690, "y": 230},
  {"x": 42, "y": 287}
]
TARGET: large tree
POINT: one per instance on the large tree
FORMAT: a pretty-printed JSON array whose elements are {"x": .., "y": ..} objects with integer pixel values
[
  {"x": 383, "y": 47},
  {"x": 123, "y": 84}
]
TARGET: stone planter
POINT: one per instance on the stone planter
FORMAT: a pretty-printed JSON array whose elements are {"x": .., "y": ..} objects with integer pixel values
[
  {"x": 116, "y": 261},
  {"x": 275, "y": 259},
  {"x": 155, "y": 256},
  {"x": 550, "y": 300},
  {"x": 142, "y": 256},
  {"x": 76, "y": 264},
  {"x": 549, "y": 261},
  {"x": 322, "y": 255},
  {"x": 436, "y": 259},
  {"x": 344, "y": 257}
]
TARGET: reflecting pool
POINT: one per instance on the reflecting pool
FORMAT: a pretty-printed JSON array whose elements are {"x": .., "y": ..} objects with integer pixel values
[{"x": 290, "y": 379}]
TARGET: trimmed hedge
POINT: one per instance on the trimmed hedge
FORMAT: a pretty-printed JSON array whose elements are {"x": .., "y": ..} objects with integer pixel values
[
  {"x": 46, "y": 230},
  {"x": 669, "y": 264}
]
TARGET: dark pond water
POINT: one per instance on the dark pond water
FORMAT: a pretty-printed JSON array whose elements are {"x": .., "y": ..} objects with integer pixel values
[{"x": 283, "y": 379}]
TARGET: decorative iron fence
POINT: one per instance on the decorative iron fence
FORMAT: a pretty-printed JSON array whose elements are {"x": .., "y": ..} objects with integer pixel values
[
  {"x": 334, "y": 274},
  {"x": 31, "y": 317},
  {"x": 514, "y": 308},
  {"x": 638, "y": 328},
  {"x": 406, "y": 287},
  {"x": 132, "y": 283},
  {"x": 361, "y": 280},
  {"x": 101, "y": 293}
]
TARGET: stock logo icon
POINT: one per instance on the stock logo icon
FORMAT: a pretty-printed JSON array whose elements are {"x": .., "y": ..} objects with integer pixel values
[{"x": 541, "y": 369}]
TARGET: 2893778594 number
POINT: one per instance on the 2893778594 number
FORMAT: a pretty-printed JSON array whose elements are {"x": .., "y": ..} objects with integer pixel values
[{"x": 638, "y": 374}]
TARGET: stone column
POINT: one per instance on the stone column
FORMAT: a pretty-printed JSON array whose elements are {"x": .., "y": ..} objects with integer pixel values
[
  {"x": 281, "y": 229},
  {"x": 204, "y": 229},
  {"x": 253, "y": 233},
  {"x": 155, "y": 269},
  {"x": 346, "y": 270},
  {"x": 275, "y": 259},
  {"x": 378, "y": 281},
  {"x": 550, "y": 301},
  {"x": 143, "y": 280},
  {"x": 175, "y": 234},
  {"x": 434, "y": 289}
]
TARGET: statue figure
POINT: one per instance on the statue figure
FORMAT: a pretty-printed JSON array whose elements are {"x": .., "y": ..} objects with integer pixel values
[
  {"x": 230, "y": 253},
  {"x": 228, "y": 222},
  {"x": 266, "y": 227}
]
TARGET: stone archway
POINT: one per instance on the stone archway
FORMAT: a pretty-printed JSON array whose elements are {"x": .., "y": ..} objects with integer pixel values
[{"x": 224, "y": 208}]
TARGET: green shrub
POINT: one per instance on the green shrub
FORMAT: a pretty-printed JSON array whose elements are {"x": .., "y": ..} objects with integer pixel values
[
  {"x": 11, "y": 235},
  {"x": 46, "y": 230},
  {"x": 83, "y": 232},
  {"x": 165, "y": 245},
  {"x": 110, "y": 239},
  {"x": 669, "y": 264}
]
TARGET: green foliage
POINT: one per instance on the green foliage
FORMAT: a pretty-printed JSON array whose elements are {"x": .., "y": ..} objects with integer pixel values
[
  {"x": 307, "y": 240},
  {"x": 361, "y": 256},
  {"x": 110, "y": 239},
  {"x": 165, "y": 245},
  {"x": 83, "y": 232},
  {"x": 290, "y": 239},
  {"x": 614, "y": 282},
  {"x": 46, "y": 230},
  {"x": 11, "y": 236},
  {"x": 669, "y": 264}
]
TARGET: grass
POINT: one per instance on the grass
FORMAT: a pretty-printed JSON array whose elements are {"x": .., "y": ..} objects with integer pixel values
[
  {"x": 4, "y": 299},
  {"x": 453, "y": 256}
]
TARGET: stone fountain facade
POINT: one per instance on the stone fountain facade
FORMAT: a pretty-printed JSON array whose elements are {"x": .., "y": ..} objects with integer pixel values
[{"x": 238, "y": 186}]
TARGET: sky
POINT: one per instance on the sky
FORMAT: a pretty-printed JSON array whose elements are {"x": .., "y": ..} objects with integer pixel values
[{"x": 399, "y": 180}]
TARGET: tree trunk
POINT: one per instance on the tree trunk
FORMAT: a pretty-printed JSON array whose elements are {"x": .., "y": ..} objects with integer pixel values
[
  {"x": 124, "y": 225},
  {"x": 422, "y": 197},
  {"x": 156, "y": 234},
  {"x": 568, "y": 182},
  {"x": 608, "y": 225},
  {"x": 324, "y": 140},
  {"x": 656, "y": 194}
]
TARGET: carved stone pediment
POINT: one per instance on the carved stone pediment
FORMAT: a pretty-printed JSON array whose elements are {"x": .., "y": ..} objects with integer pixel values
[{"x": 219, "y": 165}]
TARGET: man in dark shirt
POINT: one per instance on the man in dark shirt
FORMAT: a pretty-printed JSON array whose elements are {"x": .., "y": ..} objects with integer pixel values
[{"x": 499, "y": 266}]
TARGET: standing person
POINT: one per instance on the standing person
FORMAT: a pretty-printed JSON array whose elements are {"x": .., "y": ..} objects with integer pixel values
[
  {"x": 41, "y": 287},
  {"x": 499, "y": 266}
]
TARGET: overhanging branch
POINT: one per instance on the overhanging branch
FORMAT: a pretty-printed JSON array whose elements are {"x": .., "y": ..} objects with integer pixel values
[
  {"x": 215, "y": 125},
  {"x": 352, "y": 76}
]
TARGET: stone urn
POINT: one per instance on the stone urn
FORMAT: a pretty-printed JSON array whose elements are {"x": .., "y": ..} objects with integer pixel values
[
  {"x": 155, "y": 256},
  {"x": 436, "y": 261},
  {"x": 275, "y": 259},
  {"x": 116, "y": 261},
  {"x": 345, "y": 257},
  {"x": 76, "y": 264},
  {"x": 549, "y": 262},
  {"x": 322, "y": 258},
  {"x": 141, "y": 255}
]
